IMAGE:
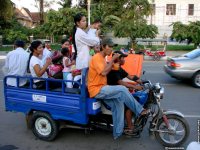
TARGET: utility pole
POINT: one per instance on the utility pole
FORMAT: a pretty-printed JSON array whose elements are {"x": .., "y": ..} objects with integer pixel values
[
  {"x": 41, "y": 11},
  {"x": 88, "y": 9}
]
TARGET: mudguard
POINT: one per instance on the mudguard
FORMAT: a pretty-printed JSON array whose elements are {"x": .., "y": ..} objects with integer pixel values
[{"x": 173, "y": 112}]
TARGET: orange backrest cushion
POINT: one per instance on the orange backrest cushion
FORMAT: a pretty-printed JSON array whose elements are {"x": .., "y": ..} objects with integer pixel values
[{"x": 133, "y": 64}]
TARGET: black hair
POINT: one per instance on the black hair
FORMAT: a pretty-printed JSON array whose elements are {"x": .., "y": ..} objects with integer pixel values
[
  {"x": 64, "y": 40},
  {"x": 77, "y": 18},
  {"x": 97, "y": 20},
  {"x": 65, "y": 51},
  {"x": 34, "y": 45},
  {"x": 19, "y": 43}
]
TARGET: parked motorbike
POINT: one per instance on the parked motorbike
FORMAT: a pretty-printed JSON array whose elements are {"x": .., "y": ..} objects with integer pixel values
[{"x": 168, "y": 126}]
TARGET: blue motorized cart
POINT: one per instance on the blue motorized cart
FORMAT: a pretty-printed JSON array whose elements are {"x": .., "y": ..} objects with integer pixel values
[{"x": 46, "y": 109}]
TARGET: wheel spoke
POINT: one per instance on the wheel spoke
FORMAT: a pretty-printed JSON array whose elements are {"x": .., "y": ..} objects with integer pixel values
[
  {"x": 172, "y": 139},
  {"x": 176, "y": 123},
  {"x": 182, "y": 132}
]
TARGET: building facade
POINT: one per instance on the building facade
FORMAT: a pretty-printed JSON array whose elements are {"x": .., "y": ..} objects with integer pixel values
[{"x": 165, "y": 12}]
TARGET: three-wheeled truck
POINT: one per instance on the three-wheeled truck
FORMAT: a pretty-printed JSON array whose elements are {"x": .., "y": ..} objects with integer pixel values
[{"x": 49, "y": 110}]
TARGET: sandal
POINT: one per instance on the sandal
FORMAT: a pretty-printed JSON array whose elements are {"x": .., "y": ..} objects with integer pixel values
[
  {"x": 130, "y": 132},
  {"x": 145, "y": 112}
]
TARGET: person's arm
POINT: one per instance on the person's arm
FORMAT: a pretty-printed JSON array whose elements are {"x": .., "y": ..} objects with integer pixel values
[
  {"x": 108, "y": 67},
  {"x": 40, "y": 71},
  {"x": 134, "y": 78},
  {"x": 6, "y": 67},
  {"x": 128, "y": 85},
  {"x": 89, "y": 40}
]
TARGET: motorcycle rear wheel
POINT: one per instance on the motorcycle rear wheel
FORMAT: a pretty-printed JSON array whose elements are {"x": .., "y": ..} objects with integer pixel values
[{"x": 178, "y": 134}]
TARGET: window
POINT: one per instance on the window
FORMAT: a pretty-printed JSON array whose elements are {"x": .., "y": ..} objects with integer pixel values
[
  {"x": 191, "y": 9},
  {"x": 171, "y": 9},
  {"x": 153, "y": 7}
]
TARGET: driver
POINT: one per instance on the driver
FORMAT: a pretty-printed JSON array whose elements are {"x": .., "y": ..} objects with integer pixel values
[
  {"x": 114, "y": 96},
  {"x": 115, "y": 77}
]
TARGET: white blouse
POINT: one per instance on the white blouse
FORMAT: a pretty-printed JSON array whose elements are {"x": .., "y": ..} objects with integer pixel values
[
  {"x": 83, "y": 43},
  {"x": 36, "y": 61}
]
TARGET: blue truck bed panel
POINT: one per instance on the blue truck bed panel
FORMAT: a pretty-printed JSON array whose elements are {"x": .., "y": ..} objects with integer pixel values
[
  {"x": 60, "y": 104},
  {"x": 69, "y": 107}
]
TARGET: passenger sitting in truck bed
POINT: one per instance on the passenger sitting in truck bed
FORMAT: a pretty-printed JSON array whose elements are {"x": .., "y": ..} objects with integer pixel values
[
  {"x": 15, "y": 63},
  {"x": 36, "y": 67},
  {"x": 68, "y": 71}
]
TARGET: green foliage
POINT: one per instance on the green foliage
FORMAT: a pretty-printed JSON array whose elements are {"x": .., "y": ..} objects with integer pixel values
[
  {"x": 60, "y": 22},
  {"x": 190, "y": 32},
  {"x": 6, "y": 8},
  {"x": 6, "y": 48},
  {"x": 12, "y": 35},
  {"x": 180, "y": 47},
  {"x": 133, "y": 23},
  {"x": 179, "y": 31},
  {"x": 6, "y": 13},
  {"x": 56, "y": 46},
  {"x": 15, "y": 31},
  {"x": 65, "y": 3}
]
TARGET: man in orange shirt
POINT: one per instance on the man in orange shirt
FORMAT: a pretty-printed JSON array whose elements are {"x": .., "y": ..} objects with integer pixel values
[{"x": 114, "y": 96}]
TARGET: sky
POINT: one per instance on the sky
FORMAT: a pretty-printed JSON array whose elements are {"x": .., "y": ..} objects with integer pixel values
[{"x": 30, "y": 5}]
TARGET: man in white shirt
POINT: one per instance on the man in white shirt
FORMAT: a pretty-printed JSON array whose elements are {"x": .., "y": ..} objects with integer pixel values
[
  {"x": 46, "y": 51},
  {"x": 16, "y": 63}
]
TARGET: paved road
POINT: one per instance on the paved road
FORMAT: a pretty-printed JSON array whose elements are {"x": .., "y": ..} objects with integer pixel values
[{"x": 178, "y": 95}]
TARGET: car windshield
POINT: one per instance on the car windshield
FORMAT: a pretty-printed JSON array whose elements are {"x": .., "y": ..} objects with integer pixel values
[{"x": 193, "y": 54}]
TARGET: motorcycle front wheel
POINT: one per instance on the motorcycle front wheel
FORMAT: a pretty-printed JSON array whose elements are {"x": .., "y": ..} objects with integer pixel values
[{"x": 176, "y": 134}]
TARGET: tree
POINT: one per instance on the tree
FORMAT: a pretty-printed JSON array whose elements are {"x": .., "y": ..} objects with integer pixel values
[
  {"x": 133, "y": 23},
  {"x": 190, "y": 32},
  {"x": 6, "y": 14},
  {"x": 179, "y": 31},
  {"x": 41, "y": 4},
  {"x": 65, "y": 3},
  {"x": 60, "y": 22}
]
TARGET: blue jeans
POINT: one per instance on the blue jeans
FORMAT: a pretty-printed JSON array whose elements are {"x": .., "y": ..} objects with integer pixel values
[{"x": 115, "y": 97}]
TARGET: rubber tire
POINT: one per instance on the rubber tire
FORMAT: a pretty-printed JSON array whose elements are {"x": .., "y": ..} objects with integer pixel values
[
  {"x": 193, "y": 79},
  {"x": 54, "y": 126},
  {"x": 186, "y": 126}
]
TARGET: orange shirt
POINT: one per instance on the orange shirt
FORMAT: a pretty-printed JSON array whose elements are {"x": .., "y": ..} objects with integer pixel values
[{"x": 95, "y": 80}]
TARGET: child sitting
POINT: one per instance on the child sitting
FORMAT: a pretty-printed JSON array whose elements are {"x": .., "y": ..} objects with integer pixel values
[{"x": 69, "y": 71}]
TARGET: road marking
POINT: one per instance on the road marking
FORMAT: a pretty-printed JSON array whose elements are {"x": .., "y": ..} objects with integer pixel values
[
  {"x": 149, "y": 72},
  {"x": 168, "y": 84},
  {"x": 192, "y": 116}
]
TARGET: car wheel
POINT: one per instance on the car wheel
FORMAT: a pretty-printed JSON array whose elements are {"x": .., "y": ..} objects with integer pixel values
[{"x": 196, "y": 80}]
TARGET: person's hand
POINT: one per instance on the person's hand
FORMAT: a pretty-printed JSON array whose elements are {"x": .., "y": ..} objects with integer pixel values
[
  {"x": 98, "y": 32},
  {"x": 116, "y": 66},
  {"x": 139, "y": 81},
  {"x": 48, "y": 61},
  {"x": 115, "y": 56},
  {"x": 138, "y": 87}
]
